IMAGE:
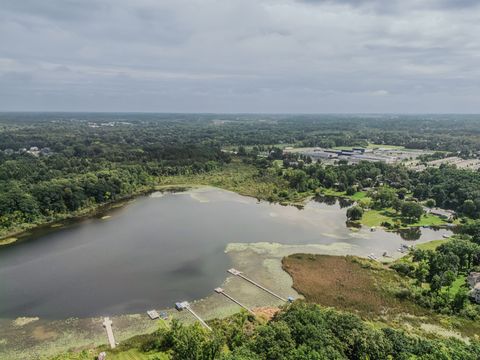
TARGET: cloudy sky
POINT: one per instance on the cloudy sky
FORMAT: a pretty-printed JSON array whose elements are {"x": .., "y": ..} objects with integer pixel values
[{"x": 240, "y": 55}]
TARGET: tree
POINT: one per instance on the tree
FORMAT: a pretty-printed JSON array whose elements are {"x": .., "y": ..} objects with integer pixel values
[
  {"x": 430, "y": 203},
  {"x": 351, "y": 190},
  {"x": 460, "y": 299},
  {"x": 412, "y": 211},
  {"x": 354, "y": 213},
  {"x": 436, "y": 283},
  {"x": 384, "y": 197},
  {"x": 402, "y": 192},
  {"x": 469, "y": 208}
]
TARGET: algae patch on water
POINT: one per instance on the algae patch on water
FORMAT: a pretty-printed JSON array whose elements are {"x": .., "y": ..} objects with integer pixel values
[{"x": 21, "y": 321}]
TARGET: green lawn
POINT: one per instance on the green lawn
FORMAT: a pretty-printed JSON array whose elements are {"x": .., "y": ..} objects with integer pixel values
[
  {"x": 359, "y": 195},
  {"x": 459, "y": 282},
  {"x": 431, "y": 245},
  {"x": 331, "y": 192},
  {"x": 376, "y": 217}
]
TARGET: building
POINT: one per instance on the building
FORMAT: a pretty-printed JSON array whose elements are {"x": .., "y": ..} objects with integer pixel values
[
  {"x": 473, "y": 280},
  {"x": 444, "y": 214},
  {"x": 475, "y": 294}
]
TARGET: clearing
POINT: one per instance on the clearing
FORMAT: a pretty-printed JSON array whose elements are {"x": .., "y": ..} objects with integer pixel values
[{"x": 375, "y": 218}]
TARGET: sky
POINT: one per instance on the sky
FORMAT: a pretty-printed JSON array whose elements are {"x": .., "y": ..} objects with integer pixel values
[{"x": 273, "y": 56}]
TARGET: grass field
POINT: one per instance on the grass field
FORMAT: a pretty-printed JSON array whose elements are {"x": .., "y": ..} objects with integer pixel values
[
  {"x": 359, "y": 195},
  {"x": 368, "y": 289},
  {"x": 377, "y": 217},
  {"x": 347, "y": 283},
  {"x": 431, "y": 245},
  {"x": 134, "y": 354}
]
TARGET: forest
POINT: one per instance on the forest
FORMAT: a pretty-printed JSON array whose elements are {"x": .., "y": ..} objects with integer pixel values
[{"x": 55, "y": 165}]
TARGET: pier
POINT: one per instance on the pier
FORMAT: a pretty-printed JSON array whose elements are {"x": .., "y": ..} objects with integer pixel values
[
  {"x": 107, "y": 323},
  {"x": 222, "y": 292},
  {"x": 184, "y": 305},
  {"x": 239, "y": 274}
]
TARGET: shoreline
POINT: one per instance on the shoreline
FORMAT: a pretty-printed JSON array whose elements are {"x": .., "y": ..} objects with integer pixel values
[
  {"x": 33, "y": 338},
  {"x": 100, "y": 209}
]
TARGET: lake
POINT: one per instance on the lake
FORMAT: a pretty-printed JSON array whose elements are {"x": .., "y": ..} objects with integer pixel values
[{"x": 160, "y": 249}]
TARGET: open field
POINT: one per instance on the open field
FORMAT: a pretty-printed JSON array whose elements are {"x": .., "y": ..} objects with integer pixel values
[
  {"x": 370, "y": 290},
  {"x": 347, "y": 283},
  {"x": 359, "y": 195}
]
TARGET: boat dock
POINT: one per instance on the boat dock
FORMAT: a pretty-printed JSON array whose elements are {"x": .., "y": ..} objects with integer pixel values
[
  {"x": 222, "y": 292},
  {"x": 107, "y": 323},
  {"x": 239, "y": 274},
  {"x": 184, "y": 305}
]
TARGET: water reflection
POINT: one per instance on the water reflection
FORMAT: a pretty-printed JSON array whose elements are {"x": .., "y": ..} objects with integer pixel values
[
  {"x": 410, "y": 234},
  {"x": 333, "y": 200}
]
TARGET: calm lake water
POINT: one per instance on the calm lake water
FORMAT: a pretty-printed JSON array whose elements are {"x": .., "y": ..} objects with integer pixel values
[{"x": 158, "y": 250}]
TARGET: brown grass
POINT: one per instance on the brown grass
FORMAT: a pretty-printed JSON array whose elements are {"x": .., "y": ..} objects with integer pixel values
[{"x": 347, "y": 283}]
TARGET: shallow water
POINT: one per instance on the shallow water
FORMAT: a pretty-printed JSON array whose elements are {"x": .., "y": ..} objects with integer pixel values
[{"x": 161, "y": 249}]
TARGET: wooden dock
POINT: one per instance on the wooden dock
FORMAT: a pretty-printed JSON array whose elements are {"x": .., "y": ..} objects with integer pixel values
[
  {"x": 222, "y": 292},
  {"x": 107, "y": 323},
  {"x": 184, "y": 305},
  {"x": 240, "y": 274}
]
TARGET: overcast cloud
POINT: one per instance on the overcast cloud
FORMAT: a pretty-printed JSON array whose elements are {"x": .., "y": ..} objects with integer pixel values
[{"x": 240, "y": 55}]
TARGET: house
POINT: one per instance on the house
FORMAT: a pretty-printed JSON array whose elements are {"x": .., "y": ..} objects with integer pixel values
[
  {"x": 473, "y": 280},
  {"x": 445, "y": 214},
  {"x": 475, "y": 294}
]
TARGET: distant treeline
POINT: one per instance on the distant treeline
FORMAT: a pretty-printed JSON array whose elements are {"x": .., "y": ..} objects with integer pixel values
[{"x": 96, "y": 158}]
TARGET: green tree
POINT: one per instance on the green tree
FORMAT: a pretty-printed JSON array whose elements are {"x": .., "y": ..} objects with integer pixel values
[
  {"x": 354, "y": 213},
  {"x": 412, "y": 211}
]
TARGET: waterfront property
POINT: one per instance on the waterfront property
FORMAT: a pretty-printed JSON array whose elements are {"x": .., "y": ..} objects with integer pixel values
[{"x": 473, "y": 280}]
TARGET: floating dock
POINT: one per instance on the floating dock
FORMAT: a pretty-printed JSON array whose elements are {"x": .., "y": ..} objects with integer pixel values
[
  {"x": 222, "y": 292},
  {"x": 240, "y": 274},
  {"x": 184, "y": 305},
  {"x": 107, "y": 323},
  {"x": 153, "y": 314}
]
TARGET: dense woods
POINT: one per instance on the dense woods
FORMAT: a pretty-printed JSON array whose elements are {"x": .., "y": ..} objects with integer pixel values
[
  {"x": 300, "y": 331},
  {"x": 53, "y": 165}
]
